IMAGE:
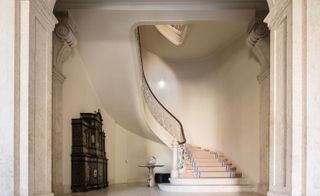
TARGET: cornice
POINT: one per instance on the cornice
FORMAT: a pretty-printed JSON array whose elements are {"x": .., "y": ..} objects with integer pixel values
[
  {"x": 43, "y": 9},
  {"x": 162, "y": 5},
  {"x": 277, "y": 13}
]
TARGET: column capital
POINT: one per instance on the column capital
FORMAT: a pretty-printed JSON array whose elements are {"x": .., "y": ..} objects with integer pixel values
[{"x": 63, "y": 39}]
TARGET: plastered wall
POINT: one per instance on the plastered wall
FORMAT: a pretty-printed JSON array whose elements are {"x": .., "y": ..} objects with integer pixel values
[{"x": 125, "y": 150}]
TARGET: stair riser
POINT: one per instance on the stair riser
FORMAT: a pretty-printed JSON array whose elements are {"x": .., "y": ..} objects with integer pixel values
[
  {"x": 212, "y": 169},
  {"x": 207, "y": 160},
  {"x": 210, "y": 156},
  {"x": 209, "y": 164},
  {"x": 215, "y": 175}
]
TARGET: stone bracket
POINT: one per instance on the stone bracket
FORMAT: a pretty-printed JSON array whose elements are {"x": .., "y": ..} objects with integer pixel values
[{"x": 63, "y": 39}]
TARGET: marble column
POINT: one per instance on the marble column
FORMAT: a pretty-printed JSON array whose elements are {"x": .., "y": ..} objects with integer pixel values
[
  {"x": 63, "y": 42},
  {"x": 258, "y": 40},
  {"x": 9, "y": 101}
]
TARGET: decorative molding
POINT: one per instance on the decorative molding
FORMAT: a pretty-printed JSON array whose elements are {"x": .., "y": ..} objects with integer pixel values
[
  {"x": 263, "y": 75},
  {"x": 176, "y": 34},
  {"x": 51, "y": 4},
  {"x": 63, "y": 39},
  {"x": 270, "y": 4},
  {"x": 58, "y": 75},
  {"x": 43, "y": 10},
  {"x": 259, "y": 42},
  {"x": 257, "y": 30},
  {"x": 277, "y": 13}
]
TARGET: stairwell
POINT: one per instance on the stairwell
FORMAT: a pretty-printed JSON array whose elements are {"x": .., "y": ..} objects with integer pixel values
[{"x": 201, "y": 170}]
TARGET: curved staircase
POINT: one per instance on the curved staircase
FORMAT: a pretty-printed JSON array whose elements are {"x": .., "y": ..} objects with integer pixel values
[
  {"x": 207, "y": 171},
  {"x": 203, "y": 163},
  {"x": 193, "y": 169}
]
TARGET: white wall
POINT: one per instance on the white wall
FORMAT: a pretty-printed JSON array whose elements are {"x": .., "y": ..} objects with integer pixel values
[
  {"x": 217, "y": 100},
  {"x": 125, "y": 150}
]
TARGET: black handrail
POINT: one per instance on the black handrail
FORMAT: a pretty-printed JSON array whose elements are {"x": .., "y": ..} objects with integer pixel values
[{"x": 145, "y": 79}]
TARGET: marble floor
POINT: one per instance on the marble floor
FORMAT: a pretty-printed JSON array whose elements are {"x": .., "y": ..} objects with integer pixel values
[{"x": 142, "y": 190}]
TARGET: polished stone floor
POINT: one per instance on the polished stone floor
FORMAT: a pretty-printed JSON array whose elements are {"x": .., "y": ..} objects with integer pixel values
[{"x": 142, "y": 190}]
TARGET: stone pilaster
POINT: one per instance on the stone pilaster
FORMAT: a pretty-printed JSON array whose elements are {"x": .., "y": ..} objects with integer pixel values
[
  {"x": 36, "y": 25},
  {"x": 258, "y": 41},
  {"x": 289, "y": 101},
  {"x": 63, "y": 42}
]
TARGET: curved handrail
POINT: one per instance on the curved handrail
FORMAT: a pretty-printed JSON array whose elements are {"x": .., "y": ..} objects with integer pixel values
[{"x": 183, "y": 141}]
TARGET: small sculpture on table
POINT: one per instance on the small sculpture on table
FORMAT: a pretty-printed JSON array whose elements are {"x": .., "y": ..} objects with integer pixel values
[{"x": 151, "y": 164}]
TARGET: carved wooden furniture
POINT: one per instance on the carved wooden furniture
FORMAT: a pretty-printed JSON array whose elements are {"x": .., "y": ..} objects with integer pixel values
[{"x": 89, "y": 162}]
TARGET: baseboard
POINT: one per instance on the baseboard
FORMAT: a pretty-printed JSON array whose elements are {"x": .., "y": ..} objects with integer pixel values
[
  {"x": 277, "y": 193},
  {"x": 137, "y": 180},
  {"x": 44, "y": 194},
  {"x": 112, "y": 181},
  {"x": 62, "y": 189},
  {"x": 262, "y": 189}
]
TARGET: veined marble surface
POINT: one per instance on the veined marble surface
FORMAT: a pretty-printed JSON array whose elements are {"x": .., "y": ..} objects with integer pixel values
[{"x": 142, "y": 189}]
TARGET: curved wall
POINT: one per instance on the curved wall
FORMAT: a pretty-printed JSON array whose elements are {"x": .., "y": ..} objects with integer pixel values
[
  {"x": 216, "y": 98},
  {"x": 125, "y": 150}
]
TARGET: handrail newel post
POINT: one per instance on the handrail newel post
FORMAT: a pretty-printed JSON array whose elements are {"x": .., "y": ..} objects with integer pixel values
[{"x": 175, "y": 169}]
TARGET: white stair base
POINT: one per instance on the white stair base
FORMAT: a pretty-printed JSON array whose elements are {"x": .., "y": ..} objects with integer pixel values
[
  {"x": 209, "y": 181},
  {"x": 205, "y": 188}
]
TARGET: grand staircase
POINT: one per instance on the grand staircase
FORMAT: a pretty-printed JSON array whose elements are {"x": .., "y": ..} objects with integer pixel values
[
  {"x": 207, "y": 171},
  {"x": 201, "y": 170}
]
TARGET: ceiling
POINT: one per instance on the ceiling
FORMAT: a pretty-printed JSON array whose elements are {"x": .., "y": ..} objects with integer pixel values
[
  {"x": 162, "y": 4},
  {"x": 203, "y": 39}
]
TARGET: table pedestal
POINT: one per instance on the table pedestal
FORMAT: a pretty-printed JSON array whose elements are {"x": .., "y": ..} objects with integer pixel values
[{"x": 150, "y": 180}]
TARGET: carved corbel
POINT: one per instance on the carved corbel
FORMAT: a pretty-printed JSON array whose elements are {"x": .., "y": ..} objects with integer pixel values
[
  {"x": 63, "y": 40},
  {"x": 259, "y": 42}
]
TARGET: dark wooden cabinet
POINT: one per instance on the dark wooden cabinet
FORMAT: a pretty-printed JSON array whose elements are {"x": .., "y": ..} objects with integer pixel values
[{"x": 88, "y": 158}]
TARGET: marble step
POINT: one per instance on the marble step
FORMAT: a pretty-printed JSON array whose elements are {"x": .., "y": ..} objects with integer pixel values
[
  {"x": 205, "y": 188},
  {"x": 210, "y": 174},
  {"x": 187, "y": 175},
  {"x": 203, "y": 156},
  {"x": 207, "y": 169},
  {"x": 219, "y": 174},
  {"x": 210, "y": 164},
  {"x": 206, "y": 160},
  {"x": 210, "y": 168},
  {"x": 210, "y": 181}
]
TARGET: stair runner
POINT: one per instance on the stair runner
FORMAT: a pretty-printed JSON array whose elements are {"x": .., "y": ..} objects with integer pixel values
[{"x": 203, "y": 163}]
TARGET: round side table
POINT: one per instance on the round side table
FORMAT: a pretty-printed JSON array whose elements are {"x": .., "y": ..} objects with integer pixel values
[{"x": 151, "y": 181}]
